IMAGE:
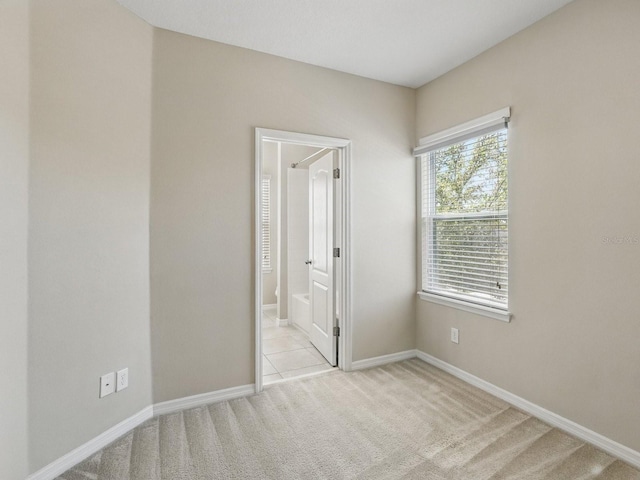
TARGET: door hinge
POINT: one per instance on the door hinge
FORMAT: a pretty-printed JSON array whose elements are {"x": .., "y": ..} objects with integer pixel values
[
  {"x": 336, "y": 253},
  {"x": 336, "y": 173},
  {"x": 336, "y": 331}
]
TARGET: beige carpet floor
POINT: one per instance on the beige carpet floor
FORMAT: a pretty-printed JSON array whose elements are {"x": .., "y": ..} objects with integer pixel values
[{"x": 406, "y": 420}]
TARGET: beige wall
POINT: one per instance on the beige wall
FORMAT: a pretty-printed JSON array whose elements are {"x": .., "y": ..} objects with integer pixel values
[
  {"x": 572, "y": 346},
  {"x": 208, "y": 98},
  {"x": 14, "y": 168},
  {"x": 570, "y": 79},
  {"x": 89, "y": 220}
]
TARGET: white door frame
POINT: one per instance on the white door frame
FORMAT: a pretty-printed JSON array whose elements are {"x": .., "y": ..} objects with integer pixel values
[{"x": 342, "y": 199}]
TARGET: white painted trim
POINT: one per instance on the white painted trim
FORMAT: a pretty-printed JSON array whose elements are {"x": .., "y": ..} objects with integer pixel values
[
  {"x": 600, "y": 441},
  {"x": 202, "y": 399},
  {"x": 64, "y": 463},
  {"x": 269, "y": 305},
  {"x": 467, "y": 128},
  {"x": 298, "y": 377},
  {"x": 282, "y": 322},
  {"x": 383, "y": 360},
  {"x": 301, "y": 138},
  {"x": 74, "y": 457},
  {"x": 257, "y": 301},
  {"x": 344, "y": 147},
  {"x": 483, "y": 310},
  {"x": 345, "y": 346}
]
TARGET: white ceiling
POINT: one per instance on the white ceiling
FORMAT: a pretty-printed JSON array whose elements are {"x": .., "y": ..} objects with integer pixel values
[{"x": 405, "y": 42}]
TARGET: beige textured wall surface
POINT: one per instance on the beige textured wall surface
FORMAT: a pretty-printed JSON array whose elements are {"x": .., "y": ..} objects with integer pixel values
[
  {"x": 572, "y": 346},
  {"x": 89, "y": 220},
  {"x": 208, "y": 98},
  {"x": 14, "y": 178}
]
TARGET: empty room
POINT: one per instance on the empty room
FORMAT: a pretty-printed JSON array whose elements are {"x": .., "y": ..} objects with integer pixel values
[{"x": 338, "y": 239}]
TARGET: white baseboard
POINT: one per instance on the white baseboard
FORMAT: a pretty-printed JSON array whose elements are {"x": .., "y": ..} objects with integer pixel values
[
  {"x": 383, "y": 360},
  {"x": 610, "y": 446},
  {"x": 202, "y": 399},
  {"x": 282, "y": 322},
  {"x": 76, "y": 456},
  {"x": 81, "y": 453}
]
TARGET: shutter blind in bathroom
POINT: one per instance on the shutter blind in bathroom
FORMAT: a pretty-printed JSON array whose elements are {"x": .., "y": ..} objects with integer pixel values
[{"x": 266, "y": 224}]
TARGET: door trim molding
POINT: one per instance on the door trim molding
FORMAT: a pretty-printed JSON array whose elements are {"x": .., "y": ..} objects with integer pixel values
[{"x": 344, "y": 163}]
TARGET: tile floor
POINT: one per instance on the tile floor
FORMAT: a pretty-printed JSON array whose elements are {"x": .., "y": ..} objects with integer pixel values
[{"x": 287, "y": 351}]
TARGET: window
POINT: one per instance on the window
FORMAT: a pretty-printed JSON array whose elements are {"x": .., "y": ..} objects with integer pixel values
[
  {"x": 266, "y": 224},
  {"x": 464, "y": 215}
]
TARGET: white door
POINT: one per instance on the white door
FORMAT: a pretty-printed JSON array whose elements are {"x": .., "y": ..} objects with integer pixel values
[{"x": 321, "y": 288}]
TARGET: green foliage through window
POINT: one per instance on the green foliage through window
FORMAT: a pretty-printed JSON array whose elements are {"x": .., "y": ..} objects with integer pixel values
[{"x": 465, "y": 221}]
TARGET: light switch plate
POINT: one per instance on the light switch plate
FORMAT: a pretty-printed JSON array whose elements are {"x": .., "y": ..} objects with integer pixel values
[
  {"x": 122, "y": 379},
  {"x": 455, "y": 335}
]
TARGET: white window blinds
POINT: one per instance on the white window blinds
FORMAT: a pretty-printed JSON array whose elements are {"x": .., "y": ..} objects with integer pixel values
[
  {"x": 464, "y": 217},
  {"x": 266, "y": 224}
]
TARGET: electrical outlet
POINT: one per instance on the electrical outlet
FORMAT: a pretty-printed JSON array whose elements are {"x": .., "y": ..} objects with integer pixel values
[
  {"x": 122, "y": 379},
  {"x": 454, "y": 335},
  {"x": 107, "y": 384}
]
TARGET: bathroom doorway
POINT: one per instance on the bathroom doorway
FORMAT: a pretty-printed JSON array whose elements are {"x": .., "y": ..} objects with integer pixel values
[{"x": 302, "y": 261}]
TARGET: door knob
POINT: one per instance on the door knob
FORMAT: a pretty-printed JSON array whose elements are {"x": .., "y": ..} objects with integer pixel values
[{"x": 308, "y": 262}]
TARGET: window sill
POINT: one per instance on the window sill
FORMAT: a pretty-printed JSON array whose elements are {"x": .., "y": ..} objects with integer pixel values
[{"x": 490, "y": 312}]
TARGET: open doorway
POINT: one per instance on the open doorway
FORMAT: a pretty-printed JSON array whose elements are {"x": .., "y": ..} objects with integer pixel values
[{"x": 302, "y": 255}]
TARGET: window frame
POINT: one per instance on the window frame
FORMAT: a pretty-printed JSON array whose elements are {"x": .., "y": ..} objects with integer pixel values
[{"x": 474, "y": 128}]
